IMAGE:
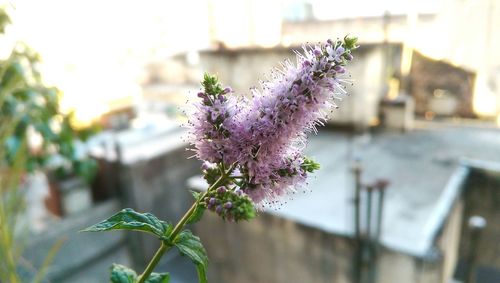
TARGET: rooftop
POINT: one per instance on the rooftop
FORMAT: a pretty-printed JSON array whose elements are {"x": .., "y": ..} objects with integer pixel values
[{"x": 425, "y": 168}]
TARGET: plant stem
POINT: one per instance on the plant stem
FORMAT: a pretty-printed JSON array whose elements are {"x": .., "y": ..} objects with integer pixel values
[
  {"x": 154, "y": 261},
  {"x": 178, "y": 228}
]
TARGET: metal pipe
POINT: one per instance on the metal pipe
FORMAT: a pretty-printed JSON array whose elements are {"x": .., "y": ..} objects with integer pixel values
[
  {"x": 369, "y": 190},
  {"x": 476, "y": 226},
  {"x": 357, "y": 260},
  {"x": 380, "y": 186},
  {"x": 357, "y": 195},
  {"x": 369, "y": 256}
]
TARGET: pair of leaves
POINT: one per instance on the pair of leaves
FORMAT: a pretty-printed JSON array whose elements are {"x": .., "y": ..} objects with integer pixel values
[
  {"x": 188, "y": 244},
  {"x": 123, "y": 274}
]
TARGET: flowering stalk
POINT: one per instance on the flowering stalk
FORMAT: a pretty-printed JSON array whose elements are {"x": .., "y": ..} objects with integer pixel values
[
  {"x": 264, "y": 136},
  {"x": 251, "y": 150},
  {"x": 165, "y": 245}
]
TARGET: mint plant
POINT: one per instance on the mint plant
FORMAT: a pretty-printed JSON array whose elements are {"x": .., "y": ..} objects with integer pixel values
[{"x": 251, "y": 148}]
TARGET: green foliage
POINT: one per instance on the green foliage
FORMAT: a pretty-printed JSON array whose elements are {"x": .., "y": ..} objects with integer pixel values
[
  {"x": 158, "y": 278},
  {"x": 123, "y": 274},
  {"x": 4, "y": 20},
  {"x": 128, "y": 219},
  {"x": 10, "y": 207},
  {"x": 198, "y": 211},
  {"x": 350, "y": 42},
  {"x": 211, "y": 175},
  {"x": 309, "y": 165},
  {"x": 211, "y": 85},
  {"x": 27, "y": 108},
  {"x": 190, "y": 245},
  {"x": 34, "y": 110},
  {"x": 241, "y": 208}
]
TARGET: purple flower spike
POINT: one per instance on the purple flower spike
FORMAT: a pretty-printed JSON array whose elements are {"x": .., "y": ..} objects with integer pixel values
[{"x": 262, "y": 138}]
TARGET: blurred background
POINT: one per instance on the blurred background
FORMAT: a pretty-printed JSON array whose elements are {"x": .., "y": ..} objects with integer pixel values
[{"x": 408, "y": 191}]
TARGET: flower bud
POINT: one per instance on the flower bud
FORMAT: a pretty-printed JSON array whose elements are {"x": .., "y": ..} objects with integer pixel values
[
  {"x": 339, "y": 69},
  {"x": 218, "y": 209},
  {"x": 227, "y": 90},
  {"x": 212, "y": 201},
  {"x": 228, "y": 205}
]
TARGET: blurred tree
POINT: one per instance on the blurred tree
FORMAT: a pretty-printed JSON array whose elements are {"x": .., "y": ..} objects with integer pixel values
[
  {"x": 33, "y": 135},
  {"x": 38, "y": 124}
]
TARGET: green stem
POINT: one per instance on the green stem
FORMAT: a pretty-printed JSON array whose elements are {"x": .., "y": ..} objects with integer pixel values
[
  {"x": 178, "y": 228},
  {"x": 154, "y": 261}
]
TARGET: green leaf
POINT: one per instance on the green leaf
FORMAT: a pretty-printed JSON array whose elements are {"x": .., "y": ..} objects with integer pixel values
[
  {"x": 158, "y": 278},
  {"x": 196, "y": 195},
  {"x": 13, "y": 76},
  {"x": 199, "y": 210},
  {"x": 128, "y": 219},
  {"x": 350, "y": 42},
  {"x": 197, "y": 214},
  {"x": 190, "y": 245},
  {"x": 122, "y": 274}
]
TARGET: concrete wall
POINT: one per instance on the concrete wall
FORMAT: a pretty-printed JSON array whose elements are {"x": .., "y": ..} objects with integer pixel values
[
  {"x": 440, "y": 87},
  {"x": 243, "y": 68},
  {"x": 82, "y": 257},
  {"x": 449, "y": 241},
  {"x": 482, "y": 198},
  {"x": 273, "y": 249},
  {"x": 394, "y": 28}
]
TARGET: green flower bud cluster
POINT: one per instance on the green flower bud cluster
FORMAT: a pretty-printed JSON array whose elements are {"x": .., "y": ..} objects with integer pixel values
[{"x": 231, "y": 204}]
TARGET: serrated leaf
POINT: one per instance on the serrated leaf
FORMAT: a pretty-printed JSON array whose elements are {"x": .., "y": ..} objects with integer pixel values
[
  {"x": 196, "y": 195},
  {"x": 128, "y": 219},
  {"x": 158, "y": 278},
  {"x": 190, "y": 245},
  {"x": 122, "y": 274},
  {"x": 197, "y": 214},
  {"x": 199, "y": 210}
]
